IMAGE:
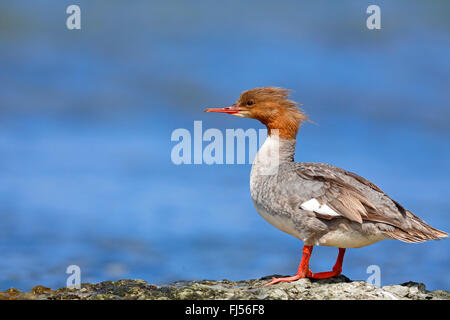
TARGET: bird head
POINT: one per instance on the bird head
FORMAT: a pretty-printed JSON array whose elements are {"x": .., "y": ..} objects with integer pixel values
[{"x": 272, "y": 107}]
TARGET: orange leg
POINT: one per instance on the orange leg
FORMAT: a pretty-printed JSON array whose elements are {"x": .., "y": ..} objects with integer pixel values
[
  {"x": 337, "y": 269},
  {"x": 303, "y": 269},
  {"x": 304, "y": 272}
]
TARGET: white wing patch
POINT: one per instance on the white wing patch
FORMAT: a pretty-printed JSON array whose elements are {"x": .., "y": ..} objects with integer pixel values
[{"x": 314, "y": 205}]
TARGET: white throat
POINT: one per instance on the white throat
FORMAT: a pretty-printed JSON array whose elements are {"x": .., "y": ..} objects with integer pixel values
[
  {"x": 269, "y": 153},
  {"x": 273, "y": 152}
]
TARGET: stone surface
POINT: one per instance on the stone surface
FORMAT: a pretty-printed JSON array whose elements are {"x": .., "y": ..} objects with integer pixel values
[{"x": 336, "y": 288}]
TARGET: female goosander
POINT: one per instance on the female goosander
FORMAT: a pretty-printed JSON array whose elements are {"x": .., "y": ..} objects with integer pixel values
[{"x": 318, "y": 203}]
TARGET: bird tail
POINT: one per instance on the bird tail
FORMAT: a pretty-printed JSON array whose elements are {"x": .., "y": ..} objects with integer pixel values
[{"x": 419, "y": 231}]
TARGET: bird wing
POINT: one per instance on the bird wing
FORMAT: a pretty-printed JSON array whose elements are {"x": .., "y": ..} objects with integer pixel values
[
  {"x": 334, "y": 197},
  {"x": 337, "y": 193}
]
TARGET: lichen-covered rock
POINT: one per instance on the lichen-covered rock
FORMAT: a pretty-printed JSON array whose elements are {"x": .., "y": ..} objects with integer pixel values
[{"x": 335, "y": 288}]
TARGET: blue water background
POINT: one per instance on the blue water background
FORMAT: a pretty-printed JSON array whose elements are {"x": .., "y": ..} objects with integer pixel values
[{"x": 86, "y": 118}]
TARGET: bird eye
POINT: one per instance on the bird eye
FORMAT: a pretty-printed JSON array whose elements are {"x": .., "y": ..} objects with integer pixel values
[{"x": 250, "y": 102}]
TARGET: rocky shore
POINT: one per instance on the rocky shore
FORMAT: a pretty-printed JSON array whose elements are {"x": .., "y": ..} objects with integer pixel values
[{"x": 336, "y": 288}]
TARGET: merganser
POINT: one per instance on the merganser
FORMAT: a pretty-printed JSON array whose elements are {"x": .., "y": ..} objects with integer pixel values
[{"x": 317, "y": 203}]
